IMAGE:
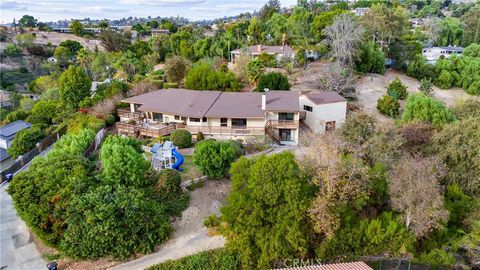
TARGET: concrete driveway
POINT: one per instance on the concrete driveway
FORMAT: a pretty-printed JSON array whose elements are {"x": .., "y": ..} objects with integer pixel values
[{"x": 18, "y": 251}]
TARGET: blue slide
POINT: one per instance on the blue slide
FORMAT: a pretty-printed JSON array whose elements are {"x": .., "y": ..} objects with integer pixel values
[{"x": 179, "y": 160}]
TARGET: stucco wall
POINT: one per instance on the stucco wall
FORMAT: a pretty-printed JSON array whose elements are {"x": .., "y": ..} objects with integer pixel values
[{"x": 324, "y": 113}]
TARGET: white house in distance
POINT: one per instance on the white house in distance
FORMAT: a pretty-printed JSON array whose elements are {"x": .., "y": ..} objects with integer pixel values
[
  {"x": 432, "y": 54},
  {"x": 231, "y": 115},
  {"x": 256, "y": 50},
  {"x": 360, "y": 11},
  {"x": 325, "y": 111}
]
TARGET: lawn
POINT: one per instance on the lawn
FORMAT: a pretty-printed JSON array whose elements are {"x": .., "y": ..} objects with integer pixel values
[{"x": 190, "y": 170}]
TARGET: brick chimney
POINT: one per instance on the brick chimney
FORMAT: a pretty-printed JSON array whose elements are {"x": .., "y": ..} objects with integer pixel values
[{"x": 259, "y": 48}]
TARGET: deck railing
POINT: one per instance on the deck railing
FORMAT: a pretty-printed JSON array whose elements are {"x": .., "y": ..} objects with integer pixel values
[
  {"x": 230, "y": 131},
  {"x": 126, "y": 113},
  {"x": 284, "y": 123}
]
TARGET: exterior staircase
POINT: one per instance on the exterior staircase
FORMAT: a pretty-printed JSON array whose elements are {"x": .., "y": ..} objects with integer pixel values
[{"x": 270, "y": 131}]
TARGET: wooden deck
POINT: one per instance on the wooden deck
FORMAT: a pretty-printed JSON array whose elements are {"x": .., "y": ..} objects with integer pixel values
[
  {"x": 126, "y": 113},
  {"x": 227, "y": 131},
  {"x": 138, "y": 130}
]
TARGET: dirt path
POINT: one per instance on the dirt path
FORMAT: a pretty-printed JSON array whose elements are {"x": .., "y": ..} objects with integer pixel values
[{"x": 190, "y": 235}]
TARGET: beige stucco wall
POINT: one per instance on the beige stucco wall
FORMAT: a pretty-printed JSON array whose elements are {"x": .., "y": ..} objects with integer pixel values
[{"x": 324, "y": 113}]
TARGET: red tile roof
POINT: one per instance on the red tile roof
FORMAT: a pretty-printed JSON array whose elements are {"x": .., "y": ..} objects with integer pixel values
[{"x": 334, "y": 266}]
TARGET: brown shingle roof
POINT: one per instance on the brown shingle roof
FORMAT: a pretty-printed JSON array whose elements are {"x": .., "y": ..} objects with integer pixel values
[
  {"x": 264, "y": 48},
  {"x": 176, "y": 101},
  {"x": 245, "y": 104},
  {"x": 334, "y": 266},
  {"x": 192, "y": 103},
  {"x": 282, "y": 101},
  {"x": 324, "y": 97}
]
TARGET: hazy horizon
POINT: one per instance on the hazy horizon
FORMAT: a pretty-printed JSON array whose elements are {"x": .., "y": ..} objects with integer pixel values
[{"x": 54, "y": 10}]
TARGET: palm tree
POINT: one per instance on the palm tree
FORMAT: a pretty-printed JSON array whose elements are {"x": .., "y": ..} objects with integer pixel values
[{"x": 84, "y": 58}]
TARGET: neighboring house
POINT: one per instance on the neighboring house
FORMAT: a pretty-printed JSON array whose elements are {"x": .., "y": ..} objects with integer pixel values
[
  {"x": 156, "y": 32},
  {"x": 256, "y": 50},
  {"x": 8, "y": 133},
  {"x": 334, "y": 266},
  {"x": 416, "y": 22},
  {"x": 360, "y": 11},
  {"x": 432, "y": 54},
  {"x": 325, "y": 111},
  {"x": 222, "y": 115},
  {"x": 5, "y": 101}
]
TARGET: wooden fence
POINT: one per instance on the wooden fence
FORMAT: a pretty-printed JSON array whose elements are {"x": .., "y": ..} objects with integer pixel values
[
  {"x": 96, "y": 143},
  {"x": 27, "y": 157}
]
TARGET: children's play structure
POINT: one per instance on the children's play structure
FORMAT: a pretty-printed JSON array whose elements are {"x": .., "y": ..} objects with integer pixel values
[{"x": 166, "y": 156}]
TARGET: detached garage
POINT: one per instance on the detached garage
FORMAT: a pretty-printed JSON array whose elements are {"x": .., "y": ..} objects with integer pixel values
[{"x": 325, "y": 111}]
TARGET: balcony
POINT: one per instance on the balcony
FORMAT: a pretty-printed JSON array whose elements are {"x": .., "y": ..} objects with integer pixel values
[
  {"x": 287, "y": 124},
  {"x": 228, "y": 131},
  {"x": 147, "y": 130},
  {"x": 126, "y": 113}
]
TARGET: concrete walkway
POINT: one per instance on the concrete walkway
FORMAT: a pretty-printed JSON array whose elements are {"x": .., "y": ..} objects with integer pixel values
[{"x": 17, "y": 248}]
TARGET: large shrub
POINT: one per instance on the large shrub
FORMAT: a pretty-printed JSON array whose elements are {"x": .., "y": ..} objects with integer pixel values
[
  {"x": 45, "y": 112},
  {"x": 459, "y": 147},
  {"x": 388, "y": 105},
  {"x": 203, "y": 76},
  {"x": 397, "y": 89},
  {"x": 266, "y": 211},
  {"x": 420, "y": 107},
  {"x": 273, "y": 81},
  {"x": 122, "y": 163},
  {"x": 26, "y": 140},
  {"x": 370, "y": 59},
  {"x": 385, "y": 234},
  {"x": 219, "y": 259},
  {"x": 181, "y": 138},
  {"x": 214, "y": 157},
  {"x": 75, "y": 143},
  {"x": 114, "y": 221},
  {"x": 42, "y": 193}
]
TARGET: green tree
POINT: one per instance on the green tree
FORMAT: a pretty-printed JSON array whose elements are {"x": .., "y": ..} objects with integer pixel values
[
  {"x": 123, "y": 163},
  {"x": 214, "y": 157},
  {"x": 203, "y": 76},
  {"x": 321, "y": 21},
  {"x": 458, "y": 146},
  {"x": 74, "y": 86},
  {"x": 176, "y": 68},
  {"x": 72, "y": 45},
  {"x": 45, "y": 112},
  {"x": 420, "y": 107},
  {"x": 62, "y": 55},
  {"x": 273, "y": 81},
  {"x": 12, "y": 50},
  {"x": 27, "y": 21},
  {"x": 26, "y": 140},
  {"x": 266, "y": 211},
  {"x": 388, "y": 105},
  {"x": 103, "y": 24},
  {"x": 370, "y": 59},
  {"x": 255, "y": 69},
  {"x": 113, "y": 41},
  {"x": 77, "y": 28},
  {"x": 397, "y": 89},
  {"x": 426, "y": 87}
]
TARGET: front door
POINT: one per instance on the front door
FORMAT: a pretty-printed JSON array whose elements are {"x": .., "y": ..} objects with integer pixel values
[{"x": 285, "y": 135}]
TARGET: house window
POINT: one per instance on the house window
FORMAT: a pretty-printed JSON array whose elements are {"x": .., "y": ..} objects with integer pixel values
[
  {"x": 239, "y": 122},
  {"x": 194, "y": 119},
  {"x": 136, "y": 106},
  {"x": 285, "y": 116},
  {"x": 184, "y": 118},
  {"x": 204, "y": 119},
  {"x": 177, "y": 117},
  {"x": 223, "y": 122},
  {"x": 330, "y": 126},
  {"x": 157, "y": 117},
  {"x": 308, "y": 108}
]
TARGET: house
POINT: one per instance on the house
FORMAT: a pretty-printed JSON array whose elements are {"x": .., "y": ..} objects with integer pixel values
[
  {"x": 416, "y": 22},
  {"x": 5, "y": 101},
  {"x": 256, "y": 50},
  {"x": 156, "y": 32},
  {"x": 222, "y": 115},
  {"x": 432, "y": 54},
  {"x": 360, "y": 11},
  {"x": 8, "y": 133},
  {"x": 325, "y": 111}
]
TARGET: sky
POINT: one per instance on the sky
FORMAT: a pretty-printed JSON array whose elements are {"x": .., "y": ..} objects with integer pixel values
[{"x": 54, "y": 10}]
